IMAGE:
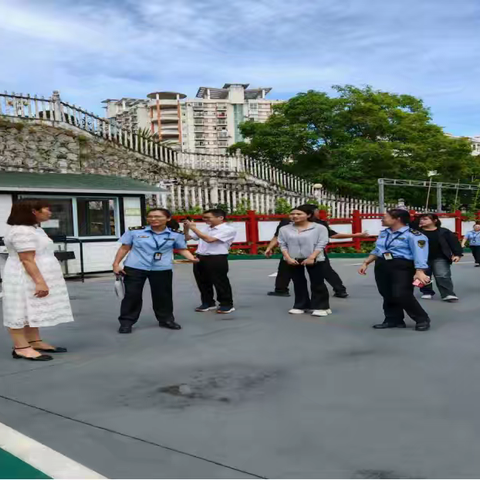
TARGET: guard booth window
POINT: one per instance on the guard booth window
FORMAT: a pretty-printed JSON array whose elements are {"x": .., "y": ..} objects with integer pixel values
[
  {"x": 96, "y": 217},
  {"x": 61, "y": 223}
]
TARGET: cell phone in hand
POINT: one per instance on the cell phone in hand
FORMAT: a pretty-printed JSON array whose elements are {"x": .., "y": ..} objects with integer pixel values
[{"x": 418, "y": 283}]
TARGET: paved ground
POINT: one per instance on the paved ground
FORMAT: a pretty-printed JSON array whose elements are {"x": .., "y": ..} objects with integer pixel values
[{"x": 267, "y": 394}]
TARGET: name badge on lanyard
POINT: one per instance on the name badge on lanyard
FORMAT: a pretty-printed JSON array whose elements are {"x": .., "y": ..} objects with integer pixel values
[
  {"x": 388, "y": 244},
  {"x": 157, "y": 256}
]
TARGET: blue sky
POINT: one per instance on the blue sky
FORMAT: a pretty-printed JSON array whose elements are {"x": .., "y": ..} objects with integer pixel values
[{"x": 90, "y": 50}]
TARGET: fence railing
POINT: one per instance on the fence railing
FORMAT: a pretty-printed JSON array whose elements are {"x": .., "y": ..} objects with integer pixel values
[
  {"x": 295, "y": 188},
  {"x": 259, "y": 228}
]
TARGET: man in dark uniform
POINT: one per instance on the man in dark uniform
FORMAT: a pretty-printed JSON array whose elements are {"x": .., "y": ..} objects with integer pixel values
[{"x": 331, "y": 276}]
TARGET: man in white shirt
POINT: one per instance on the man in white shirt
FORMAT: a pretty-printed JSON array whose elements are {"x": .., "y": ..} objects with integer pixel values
[{"x": 212, "y": 271}]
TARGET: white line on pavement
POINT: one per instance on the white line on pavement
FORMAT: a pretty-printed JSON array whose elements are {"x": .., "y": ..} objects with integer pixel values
[{"x": 41, "y": 457}]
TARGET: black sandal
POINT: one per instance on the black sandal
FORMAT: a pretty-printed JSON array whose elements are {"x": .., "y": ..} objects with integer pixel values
[
  {"x": 49, "y": 350},
  {"x": 40, "y": 358}
]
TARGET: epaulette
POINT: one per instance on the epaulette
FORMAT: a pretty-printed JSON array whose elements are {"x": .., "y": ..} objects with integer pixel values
[
  {"x": 415, "y": 232},
  {"x": 136, "y": 228}
]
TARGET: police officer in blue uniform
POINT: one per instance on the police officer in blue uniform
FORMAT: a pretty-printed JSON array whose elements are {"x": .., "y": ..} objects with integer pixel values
[
  {"x": 473, "y": 238},
  {"x": 400, "y": 256},
  {"x": 150, "y": 255}
]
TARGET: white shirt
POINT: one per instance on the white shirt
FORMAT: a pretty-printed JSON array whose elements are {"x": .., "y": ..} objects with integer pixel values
[{"x": 224, "y": 233}]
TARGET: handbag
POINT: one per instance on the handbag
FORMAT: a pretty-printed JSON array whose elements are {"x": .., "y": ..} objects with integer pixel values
[{"x": 119, "y": 287}]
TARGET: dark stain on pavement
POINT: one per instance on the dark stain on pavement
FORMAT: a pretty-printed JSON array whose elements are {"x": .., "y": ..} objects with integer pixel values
[
  {"x": 379, "y": 474},
  {"x": 223, "y": 386}
]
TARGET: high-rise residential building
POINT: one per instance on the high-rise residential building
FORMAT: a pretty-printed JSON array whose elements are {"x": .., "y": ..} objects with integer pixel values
[
  {"x": 208, "y": 123},
  {"x": 160, "y": 115},
  {"x": 211, "y": 120}
]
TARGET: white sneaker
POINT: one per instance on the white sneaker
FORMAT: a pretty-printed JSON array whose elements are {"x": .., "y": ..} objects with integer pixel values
[
  {"x": 427, "y": 296},
  {"x": 450, "y": 298},
  {"x": 296, "y": 311},
  {"x": 329, "y": 311},
  {"x": 321, "y": 313}
]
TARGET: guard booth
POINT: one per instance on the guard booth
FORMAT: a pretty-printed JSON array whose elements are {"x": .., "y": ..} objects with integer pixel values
[{"x": 90, "y": 213}]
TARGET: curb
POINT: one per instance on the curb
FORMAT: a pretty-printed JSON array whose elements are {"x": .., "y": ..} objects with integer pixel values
[{"x": 23, "y": 457}]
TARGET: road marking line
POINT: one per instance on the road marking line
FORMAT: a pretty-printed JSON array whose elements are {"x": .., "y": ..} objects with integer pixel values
[{"x": 41, "y": 457}]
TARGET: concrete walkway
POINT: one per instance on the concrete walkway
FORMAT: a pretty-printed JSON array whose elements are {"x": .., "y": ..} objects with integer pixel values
[{"x": 259, "y": 393}]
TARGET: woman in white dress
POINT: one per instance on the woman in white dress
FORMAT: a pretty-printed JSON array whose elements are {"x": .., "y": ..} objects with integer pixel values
[{"x": 34, "y": 290}]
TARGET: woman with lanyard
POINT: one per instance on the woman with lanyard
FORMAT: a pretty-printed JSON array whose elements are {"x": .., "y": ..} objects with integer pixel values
[
  {"x": 150, "y": 255},
  {"x": 473, "y": 238},
  {"x": 400, "y": 256}
]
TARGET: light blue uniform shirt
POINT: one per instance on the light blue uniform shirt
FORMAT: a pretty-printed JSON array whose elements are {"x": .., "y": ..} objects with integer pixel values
[
  {"x": 404, "y": 243},
  {"x": 146, "y": 243},
  {"x": 473, "y": 238}
]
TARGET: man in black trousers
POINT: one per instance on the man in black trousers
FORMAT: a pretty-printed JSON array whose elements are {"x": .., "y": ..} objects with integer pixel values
[
  {"x": 331, "y": 276},
  {"x": 214, "y": 241}
]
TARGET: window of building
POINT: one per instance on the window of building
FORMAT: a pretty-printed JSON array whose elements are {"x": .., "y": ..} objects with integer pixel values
[
  {"x": 96, "y": 217},
  {"x": 61, "y": 222},
  {"x": 81, "y": 216}
]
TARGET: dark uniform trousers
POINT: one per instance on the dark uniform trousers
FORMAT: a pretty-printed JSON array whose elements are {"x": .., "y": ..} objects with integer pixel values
[
  {"x": 331, "y": 276},
  {"x": 319, "y": 300},
  {"x": 161, "y": 288},
  {"x": 212, "y": 271},
  {"x": 475, "y": 252},
  {"x": 395, "y": 283}
]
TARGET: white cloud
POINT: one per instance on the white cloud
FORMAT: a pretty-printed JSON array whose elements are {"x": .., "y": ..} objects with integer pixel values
[{"x": 95, "y": 49}]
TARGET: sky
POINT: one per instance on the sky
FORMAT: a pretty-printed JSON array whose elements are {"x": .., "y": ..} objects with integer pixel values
[{"x": 91, "y": 50}]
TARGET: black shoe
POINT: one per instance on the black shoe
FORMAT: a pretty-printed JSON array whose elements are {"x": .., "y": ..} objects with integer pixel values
[
  {"x": 170, "y": 325},
  {"x": 477, "y": 264},
  {"x": 49, "y": 350},
  {"x": 341, "y": 295},
  {"x": 279, "y": 294},
  {"x": 204, "y": 307},
  {"x": 40, "y": 358},
  {"x": 125, "y": 329},
  {"x": 422, "y": 327},
  {"x": 382, "y": 326}
]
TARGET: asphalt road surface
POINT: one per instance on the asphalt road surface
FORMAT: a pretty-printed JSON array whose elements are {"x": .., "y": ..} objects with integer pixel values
[{"x": 259, "y": 393}]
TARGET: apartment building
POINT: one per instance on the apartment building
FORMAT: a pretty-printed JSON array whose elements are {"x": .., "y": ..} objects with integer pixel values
[
  {"x": 208, "y": 123},
  {"x": 211, "y": 120},
  {"x": 160, "y": 114}
]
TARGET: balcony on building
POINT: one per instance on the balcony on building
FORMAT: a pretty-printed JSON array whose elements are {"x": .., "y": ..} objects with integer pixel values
[{"x": 221, "y": 115}]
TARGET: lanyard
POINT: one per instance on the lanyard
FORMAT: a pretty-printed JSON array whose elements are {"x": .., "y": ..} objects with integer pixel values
[
  {"x": 475, "y": 236},
  {"x": 389, "y": 244},
  {"x": 156, "y": 243}
]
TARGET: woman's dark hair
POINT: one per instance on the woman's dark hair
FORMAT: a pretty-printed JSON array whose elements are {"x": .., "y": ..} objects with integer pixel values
[
  {"x": 306, "y": 209},
  {"x": 477, "y": 222},
  {"x": 172, "y": 224},
  {"x": 22, "y": 212},
  {"x": 433, "y": 217},
  {"x": 399, "y": 214}
]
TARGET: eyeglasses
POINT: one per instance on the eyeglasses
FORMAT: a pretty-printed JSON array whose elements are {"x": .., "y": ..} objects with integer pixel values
[{"x": 154, "y": 218}]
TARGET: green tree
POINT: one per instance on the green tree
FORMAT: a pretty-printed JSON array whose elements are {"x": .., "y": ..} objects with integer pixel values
[{"x": 348, "y": 141}]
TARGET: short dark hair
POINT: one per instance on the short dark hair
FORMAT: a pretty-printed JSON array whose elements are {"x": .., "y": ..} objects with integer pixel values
[
  {"x": 433, "y": 217},
  {"x": 477, "y": 222},
  {"x": 311, "y": 206},
  {"x": 22, "y": 212},
  {"x": 306, "y": 209},
  {"x": 216, "y": 212},
  {"x": 400, "y": 214}
]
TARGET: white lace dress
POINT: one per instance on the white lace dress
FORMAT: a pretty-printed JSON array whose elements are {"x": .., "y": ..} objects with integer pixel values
[{"x": 20, "y": 306}]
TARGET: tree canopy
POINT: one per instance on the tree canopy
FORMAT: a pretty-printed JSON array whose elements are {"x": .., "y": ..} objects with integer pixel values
[{"x": 349, "y": 140}]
